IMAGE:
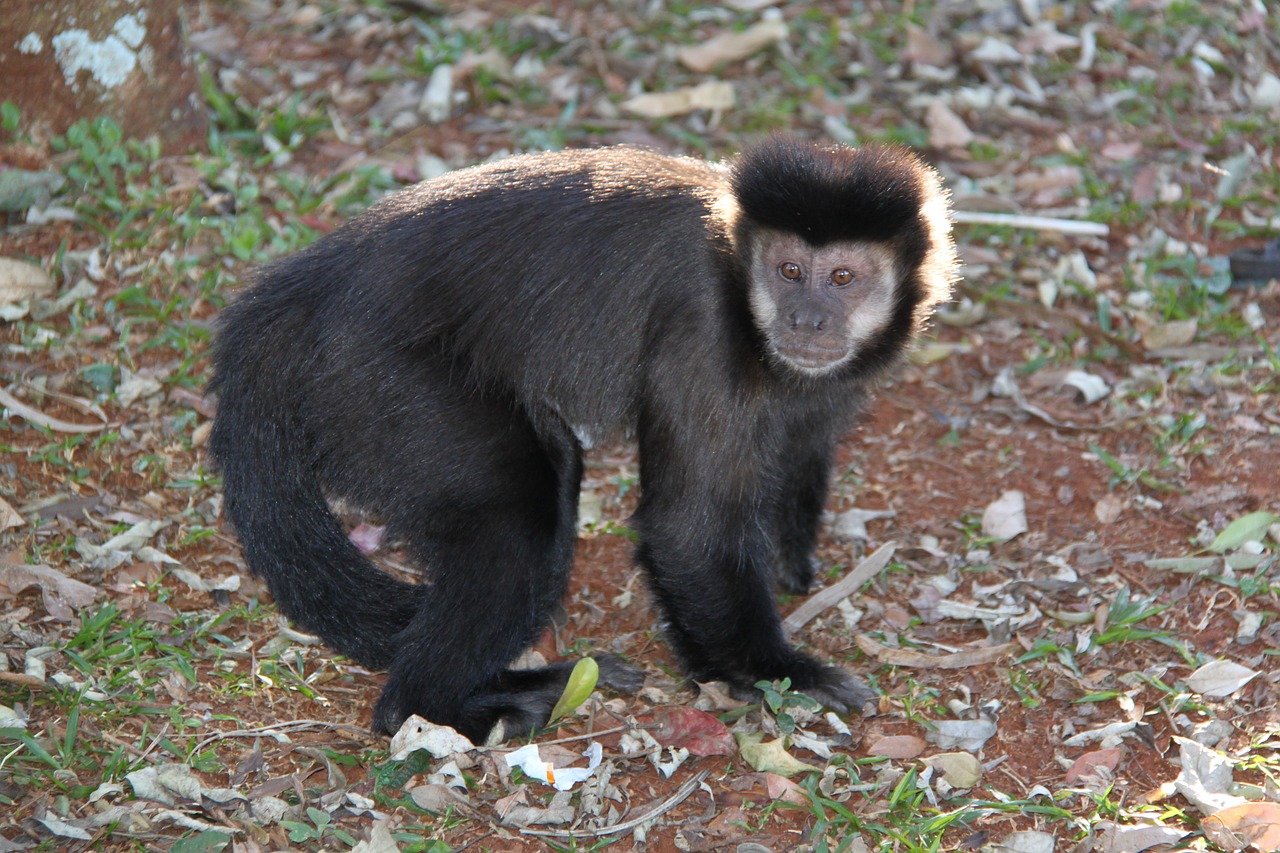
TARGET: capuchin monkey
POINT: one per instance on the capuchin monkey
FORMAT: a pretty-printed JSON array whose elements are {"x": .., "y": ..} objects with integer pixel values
[{"x": 440, "y": 360}]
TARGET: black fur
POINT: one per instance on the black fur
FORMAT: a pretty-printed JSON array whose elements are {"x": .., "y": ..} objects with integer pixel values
[
  {"x": 831, "y": 194},
  {"x": 434, "y": 361}
]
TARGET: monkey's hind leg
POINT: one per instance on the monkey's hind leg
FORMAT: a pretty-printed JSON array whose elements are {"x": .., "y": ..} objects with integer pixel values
[{"x": 496, "y": 532}]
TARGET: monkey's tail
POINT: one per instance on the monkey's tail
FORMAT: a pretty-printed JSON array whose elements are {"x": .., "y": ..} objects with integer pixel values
[{"x": 291, "y": 539}]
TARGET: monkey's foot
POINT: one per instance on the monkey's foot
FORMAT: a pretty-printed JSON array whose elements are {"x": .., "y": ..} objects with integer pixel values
[
  {"x": 513, "y": 704},
  {"x": 843, "y": 693},
  {"x": 834, "y": 687}
]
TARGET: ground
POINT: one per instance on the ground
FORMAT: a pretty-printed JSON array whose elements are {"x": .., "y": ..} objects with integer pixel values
[{"x": 1085, "y": 664}]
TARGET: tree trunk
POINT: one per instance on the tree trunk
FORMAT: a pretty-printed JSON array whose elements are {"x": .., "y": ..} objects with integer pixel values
[{"x": 64, "y": 60}]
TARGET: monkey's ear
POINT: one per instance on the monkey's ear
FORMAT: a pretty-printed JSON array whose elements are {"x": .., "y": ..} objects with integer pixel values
[{"x": 829, "y": 194}]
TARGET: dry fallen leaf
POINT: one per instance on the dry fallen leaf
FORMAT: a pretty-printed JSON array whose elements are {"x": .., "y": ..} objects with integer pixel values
[
  {"x": 1220, "y": 678},
  {"x": 960, "y": 769},
  {"x": 1108, "y": 509},
  {"x": 9, "y": 516},
  {"x": 1176, "y": 333},
  {"x": 416, "y": 733},
  {"x": 946, "y": 129},
  {"x": 782, "y": 788},
  {"x": 897, "y": 746},
  {"x": 20, "y": 280},
  {"x": 953, "y": 660},
  {"x": 1006, "y": 517},
  {"x": 62, "y": 596},
  {"x": 771, "y": 757},
  {"x": 1089, "y": 763},
  {"x": 711, "y": 95},
  {"x": 697, "y": 731},
  {"x": 730, "y": 47},
  {"x": 924, "y": 49},
  {"x": 1245, "y": 825}
]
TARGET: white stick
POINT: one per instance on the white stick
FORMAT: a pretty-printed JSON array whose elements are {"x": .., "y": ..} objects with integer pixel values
[
  {"x": 1038, "y": 223},
  {"x": 871, "y": 566}
]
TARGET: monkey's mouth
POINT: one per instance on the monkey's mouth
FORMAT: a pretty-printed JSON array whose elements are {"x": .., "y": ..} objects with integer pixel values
[{"x": 811, "y": 356}]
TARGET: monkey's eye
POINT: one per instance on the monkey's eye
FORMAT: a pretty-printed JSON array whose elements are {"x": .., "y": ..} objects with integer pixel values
[
  {"x": 788, "y": 270},
  {"x": 841, "y": 277}
]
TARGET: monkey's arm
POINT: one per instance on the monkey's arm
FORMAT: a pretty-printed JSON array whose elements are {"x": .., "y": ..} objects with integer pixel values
[{"x": 710, "y": 564}]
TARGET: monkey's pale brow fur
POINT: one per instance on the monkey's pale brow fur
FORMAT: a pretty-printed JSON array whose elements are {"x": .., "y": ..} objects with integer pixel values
[{"x": 436, "y": 359}]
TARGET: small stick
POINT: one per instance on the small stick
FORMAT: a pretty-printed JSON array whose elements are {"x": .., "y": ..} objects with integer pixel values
[
  {"x": 686, "y": 791},
  {"x": 1036, "y": 223},
  {"x": 35, "y": 416},
  {"x": 841, "y": 589}
]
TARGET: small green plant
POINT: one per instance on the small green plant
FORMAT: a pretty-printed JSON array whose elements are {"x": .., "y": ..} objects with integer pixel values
[
  {"x": 778, "y": 697},
  {"x": 320, "y": 828},
  {"x": 10, "y": 118}
]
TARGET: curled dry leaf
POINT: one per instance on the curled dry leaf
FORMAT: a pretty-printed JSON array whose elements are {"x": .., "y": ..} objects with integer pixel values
[
  {"x": 1092, "y": 387},
  {"x": 417, "y": 733},
  {"x": 771, "y": 757}
]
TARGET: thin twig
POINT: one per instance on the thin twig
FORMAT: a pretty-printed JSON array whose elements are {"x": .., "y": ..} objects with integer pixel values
[
  {"x": 686, "y": 790},
  {"x": 1035, "y": 223},
  {"x": 291, "y": 725},
  {"x": 35, "y": 416},
  {"x": 32, "y": 681}
]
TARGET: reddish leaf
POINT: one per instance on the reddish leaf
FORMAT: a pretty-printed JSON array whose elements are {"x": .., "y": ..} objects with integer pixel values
[
  {"x": 697, "y": 731},
  {"x": 1089, "y": 763}
]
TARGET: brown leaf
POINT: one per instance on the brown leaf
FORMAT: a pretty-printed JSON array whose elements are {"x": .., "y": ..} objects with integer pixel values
[
  {"x": 709, "y": 95},
  {"x": 730, "y": 47},
  {"x": 9, "y": 516},
  {"x": 1248, "y": 824},
  {"x": 897, "y": 746},
  {"x": 697, "y": 731},
  {"x": 782, "y": 788},
  {"x": 924, "y": 49},
  {"x": 946, "y": 129},
  {"x": 62, "y": 596},
  {"x": 1089, "y": 763}
]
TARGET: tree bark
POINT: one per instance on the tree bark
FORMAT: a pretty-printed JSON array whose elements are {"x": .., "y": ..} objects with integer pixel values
[{"x": 64, "y": 60}]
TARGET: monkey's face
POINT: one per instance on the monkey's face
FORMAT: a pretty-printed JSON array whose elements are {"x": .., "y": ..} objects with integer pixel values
[{"x": 818, "y": 306}]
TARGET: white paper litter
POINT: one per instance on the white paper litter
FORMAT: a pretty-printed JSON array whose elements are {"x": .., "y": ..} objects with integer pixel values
[{"x": 529, "y": 760}]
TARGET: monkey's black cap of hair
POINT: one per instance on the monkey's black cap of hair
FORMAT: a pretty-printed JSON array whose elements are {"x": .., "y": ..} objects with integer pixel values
[{"x": 830, "y": 194}]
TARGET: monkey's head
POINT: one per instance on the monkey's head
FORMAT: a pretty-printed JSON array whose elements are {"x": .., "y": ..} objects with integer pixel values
[{"x": 849, "y": 250}]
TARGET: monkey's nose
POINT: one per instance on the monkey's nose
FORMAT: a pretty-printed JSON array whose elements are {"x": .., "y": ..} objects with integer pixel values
[{"x": 808, "y": 319}]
